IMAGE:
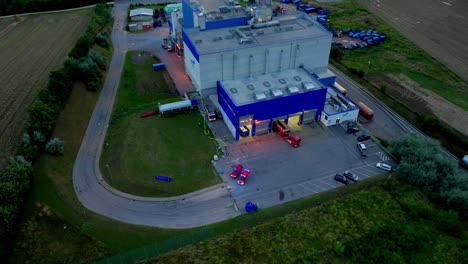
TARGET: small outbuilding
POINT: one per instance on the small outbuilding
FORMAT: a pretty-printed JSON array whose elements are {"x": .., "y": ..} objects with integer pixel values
[{"x": 141, "y": 14}]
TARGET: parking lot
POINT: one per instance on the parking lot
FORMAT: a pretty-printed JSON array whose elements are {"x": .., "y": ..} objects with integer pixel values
[{"x": 281, "y": 173}]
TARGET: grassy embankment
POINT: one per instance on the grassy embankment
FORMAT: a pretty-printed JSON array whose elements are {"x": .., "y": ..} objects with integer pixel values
[
  {"x": 386, "y": 222},
  {"x": 136, "y": 149},
  {"x": 398, "y": 55}
]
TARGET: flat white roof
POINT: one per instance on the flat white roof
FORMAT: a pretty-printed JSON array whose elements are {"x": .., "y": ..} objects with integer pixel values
[
  {"x": 141, "y": 12},
  {"x": 269, "y": 86}
]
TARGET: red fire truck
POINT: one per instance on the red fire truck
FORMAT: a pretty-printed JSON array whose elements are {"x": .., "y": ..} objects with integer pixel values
[{"x": 283, "y": 130}]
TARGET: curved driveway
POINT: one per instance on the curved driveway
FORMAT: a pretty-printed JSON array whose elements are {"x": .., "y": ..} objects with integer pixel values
[{"x": 197, "y": 209}]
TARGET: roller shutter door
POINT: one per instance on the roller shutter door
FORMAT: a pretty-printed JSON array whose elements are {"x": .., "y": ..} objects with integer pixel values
[
  {"x": 262, "y": 127},
  {"x": 309, "y": 116}
]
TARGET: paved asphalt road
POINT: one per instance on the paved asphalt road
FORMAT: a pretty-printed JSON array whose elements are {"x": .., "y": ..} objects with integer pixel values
[{"x": 202, "y": 208}]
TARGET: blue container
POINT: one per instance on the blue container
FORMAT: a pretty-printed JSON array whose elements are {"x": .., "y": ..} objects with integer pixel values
[
  {"x": 309, "y": 10},
  {"x": 159, "y": 66},
  {"x": 323, "y": 12},
  {"x": 250, "y": 207},
  {"x": 163, "y": 178}
]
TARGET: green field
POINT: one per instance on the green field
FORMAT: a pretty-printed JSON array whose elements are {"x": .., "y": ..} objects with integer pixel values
[
  {"x": 389, "y": 222},
  {"x": 136, "y": 149},
  {"x": 395, "y": 55}
]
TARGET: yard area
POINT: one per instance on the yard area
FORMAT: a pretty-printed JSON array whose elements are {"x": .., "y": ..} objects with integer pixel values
[
  {"x": 25, "y": 65},
  {"x": 137, "y": 149}
]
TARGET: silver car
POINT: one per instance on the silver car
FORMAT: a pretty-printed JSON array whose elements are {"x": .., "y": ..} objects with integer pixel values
[{"x": 384, "y": 166}]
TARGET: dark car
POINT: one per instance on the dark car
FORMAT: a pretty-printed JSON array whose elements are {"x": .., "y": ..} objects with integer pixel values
[
  {"x": 341, "y": 178},
  {"x": 363, "y": 137},
  {"x": 352, "y": 129},
  {"x": 351, "y": 176},
  {"x": 243, "y": 177},
  {"x": 237, "y": 171}
]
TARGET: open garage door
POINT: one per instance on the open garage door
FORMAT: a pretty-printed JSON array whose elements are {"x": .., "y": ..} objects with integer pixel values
[
  {"x": 309, "y": 116},
  {"x": 245, "y": 120},
  {"x": 262, "y": 127}
]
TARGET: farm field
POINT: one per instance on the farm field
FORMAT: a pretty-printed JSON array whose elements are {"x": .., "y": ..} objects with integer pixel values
[{"x": 31, "y": 47}]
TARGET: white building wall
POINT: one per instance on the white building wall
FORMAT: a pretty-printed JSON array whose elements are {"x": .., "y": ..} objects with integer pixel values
[
  {"x": 141, "y": 18},
  {"x": 192, "y": 67},
  {"x": 246, "y": 62},
  {"x": 341, "y": 117},
  {"x": 228, "y": 122}
]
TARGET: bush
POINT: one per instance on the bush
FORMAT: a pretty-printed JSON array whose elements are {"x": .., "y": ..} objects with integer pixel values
[
  {"x": 102, "y": 40},
  {"x": 55, "y": 147},
  {"x": 41, "y": 118},
  {"x": 82, "y": 46},
  {"x": 98, "y": 59}
]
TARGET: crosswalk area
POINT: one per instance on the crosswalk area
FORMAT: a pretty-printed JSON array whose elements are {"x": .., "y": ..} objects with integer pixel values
[{"x": 382, "y": 156}]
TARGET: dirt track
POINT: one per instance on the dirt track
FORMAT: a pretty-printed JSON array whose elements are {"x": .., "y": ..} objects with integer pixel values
[{"x": 438, "y": 27}]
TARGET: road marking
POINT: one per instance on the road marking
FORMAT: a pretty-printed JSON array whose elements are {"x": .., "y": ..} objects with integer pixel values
[
  {"x": 449, "y": 4},
  {"x": 382, "y": 156}
]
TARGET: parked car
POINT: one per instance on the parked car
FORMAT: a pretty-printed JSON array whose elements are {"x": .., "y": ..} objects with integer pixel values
[
  {"x": 243, "y": 177},
  {"x": 363, "y": 137},
  {"x": 341, "y": 178},
  {"x": 237, "y": 171},
  {"x": 384, "y": 166},
  {"x": 351, "y": 176},
  {"x": 362, "y": 148}
]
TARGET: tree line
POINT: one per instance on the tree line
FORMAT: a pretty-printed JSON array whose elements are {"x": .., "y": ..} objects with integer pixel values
[
  {"x": 10, "y": 7},
  {"x": 82, "y": 65}
]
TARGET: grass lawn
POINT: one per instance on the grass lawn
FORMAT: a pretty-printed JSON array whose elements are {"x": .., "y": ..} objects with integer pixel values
[
  {"x": 388, "y": 222},
  {"x": 395, "y": 55},
  {"x": 137, "y": 149}
]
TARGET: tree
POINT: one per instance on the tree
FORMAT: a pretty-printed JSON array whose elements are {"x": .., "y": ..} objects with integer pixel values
[
  {"x": 41, "y": 118},
  {"x": 82, "y": 47},
  {"x": 55, "y": 147},
  {"x": 98, "y": 59}
]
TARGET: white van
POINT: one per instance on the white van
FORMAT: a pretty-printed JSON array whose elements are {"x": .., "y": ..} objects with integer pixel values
[{"x": 362, "y": 148}]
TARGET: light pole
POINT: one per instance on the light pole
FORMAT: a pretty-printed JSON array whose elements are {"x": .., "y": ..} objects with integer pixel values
[
  {"x": 368, "y": 68},
  {"x": 110, "y": 174}
]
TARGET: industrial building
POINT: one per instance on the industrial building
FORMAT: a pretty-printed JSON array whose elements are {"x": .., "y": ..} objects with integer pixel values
[
  {"x": 141, "y": 14},
  {"x": 260, "y": 68}
]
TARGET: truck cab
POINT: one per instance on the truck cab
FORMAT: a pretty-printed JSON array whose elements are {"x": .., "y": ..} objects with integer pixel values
[{"x": 210, "y": 112}]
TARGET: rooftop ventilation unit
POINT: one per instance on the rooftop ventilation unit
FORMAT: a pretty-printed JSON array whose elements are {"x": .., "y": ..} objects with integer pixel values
[
  {"x": 250, "y": 87},
  {"x": 276, "y": 93},
  {"x": 293, "y": 89},
  {"x": 217, "y": 39},
  {"x": 198, "y": 41},
  {"x": 260, "y": 32},
  {"x": 266, "y": 84},
  {"x": 297, "y": 78},
  {"x": 289, "y": 28},
  {"x": 248, "y": 33},
  {"x": 245, "y": 40},
  {"x": 229, "y": 37},
  {"x": 233, "y": 90},
  {"x": 282, "y": 81},
  {"x": 260, "y": 96},
  {"x": 308, "y": 86},
  {"x": 278, "y": 29}
]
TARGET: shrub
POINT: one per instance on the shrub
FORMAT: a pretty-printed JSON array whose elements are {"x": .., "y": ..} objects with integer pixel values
[
  {"x": 82, "y": 46},
  {"x": 38, "y": 137},
  {"x": 55, "y": 147},
  {"x": 98, "y": 59},
  {"x": 101, "y": 40},
  {"x": 41, "y": 118}
]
